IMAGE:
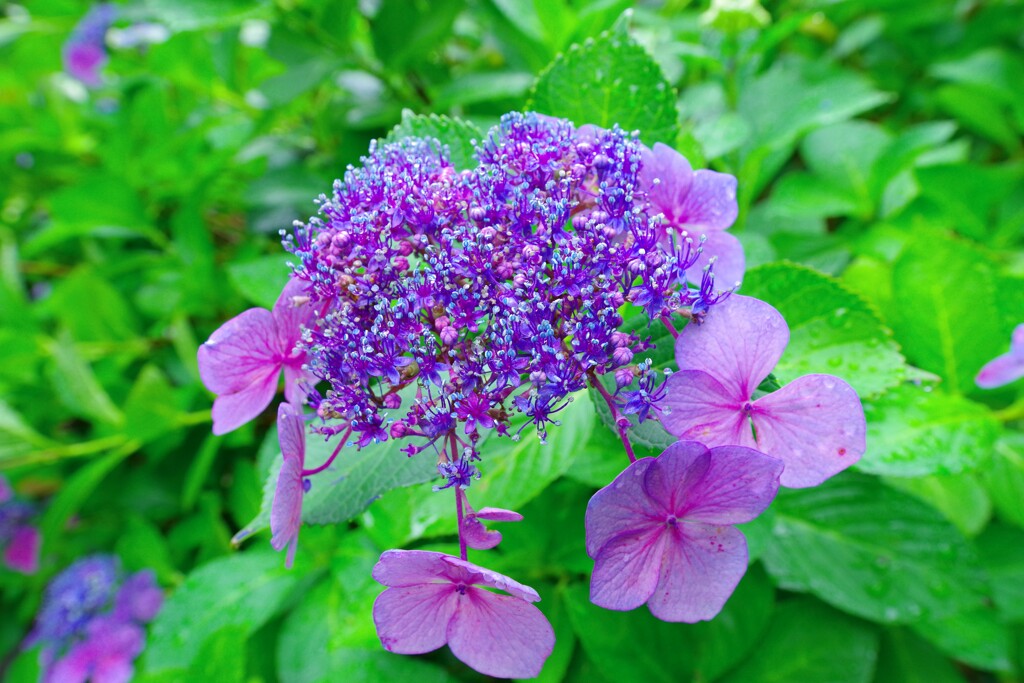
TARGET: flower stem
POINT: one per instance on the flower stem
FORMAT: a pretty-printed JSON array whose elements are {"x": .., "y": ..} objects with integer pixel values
[
  {"x": 671, "y": 328},
  {"x": 337, "y": 449},
  {"x": 458, "y": 513},
  {"x": 615, "y": 417},
  {"x": 1014, "y": 411}
]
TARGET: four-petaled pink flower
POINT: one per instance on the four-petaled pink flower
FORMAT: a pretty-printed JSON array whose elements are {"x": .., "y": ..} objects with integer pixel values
[
  {"x": 105, "y": 656},
  {"x": 433, "y": 599},
  {"x": 286, "y": 510},
  {"x": 699, "y": 202},
  {"x": 1006, "y": 368},
  {"x": 661, "y": 533},
  {"x": 478, "y": 536},
  {"x": 815, "y": 424},
  {"x": 242, "y": 360}
]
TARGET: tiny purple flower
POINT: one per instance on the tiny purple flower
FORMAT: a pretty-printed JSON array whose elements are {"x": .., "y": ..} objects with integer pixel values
[
  {"x": 697, "y": 202},
  {"x": 1006, "y": 368},
  {"x": 661, "y": 533},
  {"x": 475, "y": 533},
  {"x": 242, "y": 360},
  {"x": 85, "y": 53},
  {"x": 815, "y": 424},
  {"x": 286, "y": 510},
  {"x": 106, "y": 655},
  {"x": 435, "y": 599}
]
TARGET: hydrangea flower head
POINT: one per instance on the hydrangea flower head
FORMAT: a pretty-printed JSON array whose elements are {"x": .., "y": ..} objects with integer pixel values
[
  {"x": 661, "y": 533},
  {"x": 815, "y": 424},
  {"x": 105, "y": 655},
  {"x": 286, "y": 511},
  {"x": 699, "y": 203},
  {"x": 243, "y": 358},
  {"x": 74, "y": 597},
  {"x": 1006, "y": 368},
  {"x": 435, "y": 599},
  {"x": 85, "y": 53},
  {"x": 19, "y": 539}
]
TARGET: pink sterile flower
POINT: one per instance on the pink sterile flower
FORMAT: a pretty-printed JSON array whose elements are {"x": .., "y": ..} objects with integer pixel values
[
  {"x": 815, "y": 424},
  {"x": 105, "y": 656},
  {"x": 286, "y": 510},
  {"x": 433, "y": 599},
  {"x": 22, "y": 551},
  {"x": 242, "y": 360},
  {"x": 699, "y": 202},
  {"x": 661, "y": 532},
  {"x": 478, "y": 536},
  {"x": 1006, "y": 368}
]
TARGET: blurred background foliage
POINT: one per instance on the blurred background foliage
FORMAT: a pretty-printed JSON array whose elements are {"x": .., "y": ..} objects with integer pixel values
[{"x": 878, "y": 142}]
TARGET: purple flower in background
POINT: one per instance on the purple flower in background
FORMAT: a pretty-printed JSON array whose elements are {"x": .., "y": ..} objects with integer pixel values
[
  {"x": 105, "y": 655},
  {"x": 19, "y": 540},
  {"x": 699, "y": 202},
  {"x": 815, "y": 424},
  {"x": 1006, "y": 368},
  {"x": 242, "y": 360},
  {"x": 433, "y": 599},
  {"x": 286, "y": 511},
  {"x": 662, "y": 532},
  {"x": 85, "y": 53},
  {"x": 475, "y": 533},
  {"x": 74, "y": 597},
  {"x": 139, "y": 598}
]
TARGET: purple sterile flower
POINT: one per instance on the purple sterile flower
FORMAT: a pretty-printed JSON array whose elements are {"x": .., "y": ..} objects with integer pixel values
[
  {"x": 286, "y": 511},
  {"x": 139, "y": 599},
  {"x": 433, "y": 599},
  {"x": 1006, "y": 368},
  {"x": 699, "y": 203},
  {"x": 242, "y": 360},
  {"x": 661, "y": 533},
  {"x": 85, "y": 53},
  {"x": 815, "y": 424},
  {"x": 19, "y": 539},
  {"x": 105, "y": 655},
  {"x": 475, "y": 533}
]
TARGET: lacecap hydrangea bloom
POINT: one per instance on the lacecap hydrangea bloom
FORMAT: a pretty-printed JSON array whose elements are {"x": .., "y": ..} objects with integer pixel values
[
  {"x": 91, "y": 625},
  {"x": 432, "y": 305}
]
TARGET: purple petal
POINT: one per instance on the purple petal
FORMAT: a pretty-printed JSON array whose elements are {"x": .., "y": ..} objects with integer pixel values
[
  {"x": 294, "y": 377},
  {"x": 738, "y": 344},
  {"x": 240, "y": 352},
  {"x": 696, "y": 407},
  {"x": 672, "y": 475},
  {"x": 626, "y": 569},
  {"x": 667, "y": 177},
  {"x": 22, "y": 553},
  {"x": 730, "y": 263},
  {"x": 619, "y": 506},
  {"x": 710, "y": 205},
  {"x": 414, "y": 619},
  {"x": 1001, "y": 370},
  {"x": 139, "y": 598},
  {"x": 477, "y": 536},
  {"x": 231, "y": 411},
  {"x": 397, "y": 568},
  {"x": 289, "y": 316},
  {"x": 499, "y": 515},
  {"x": 83, "y": 61},
  {"x": 486, "y": 577},
  {"x": 286, "y": 510},
  {"x": 6, "y": 492},
  {"x": 113, "y": 670},
  {"x": 738, "y": 485},
  {"x": 815, "y": 424},
  {"x": 702, "y": 566},
  {"x": 74, "y": 667},
  {"x": 499, "y": 635},
  {"x": 291, "y": 432}
]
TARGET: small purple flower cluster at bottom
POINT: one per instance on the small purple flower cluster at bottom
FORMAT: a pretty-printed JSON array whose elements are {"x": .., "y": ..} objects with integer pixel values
[
  {"x": 91, "y": 624},
  {"x": 19, "y": 538}
]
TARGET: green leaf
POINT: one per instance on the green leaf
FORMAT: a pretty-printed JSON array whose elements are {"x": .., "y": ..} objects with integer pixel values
[
  {"x": 1004, "y": 478},
  {"x": 405, "y": 32},
  {"x": 458, "y": 137},
  {"x": 871, "y": 551},
  {"x": 844, "y": 154},
  {"x": 975, "y": 636},
  {"x": 241, "y": 591},
  {"x": 832, "y": 330},
  {"x": 151, "y": 408},
  {"x": 77, "y": 385},
  {"x": 905, "y": 658},
  {"x": 192, "y": 15},
  {"x": 606, "y": 81},
  {"x": 1001, "y": 548},
  {"x": 914, "y": 431},
  {"x": 260, "y": 280},
  {"x": 946, "y": 317},
  {"x": 629, "y": 646},
  {"x": 222, "y": 657},
  {"x": 811, "y": 643},
  {"x": 960, "y": 498}
]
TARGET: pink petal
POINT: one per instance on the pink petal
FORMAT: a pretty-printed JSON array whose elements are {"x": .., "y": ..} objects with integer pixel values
[
  {"x": 477, "y": 536},
  {"x": 291, "y": 432},
  {"x": 680, "y": 468},
  {"x": 738, "y": 344},
  {"x": 702, "y": 566},
  {"x": 730, "y": 263},
  {"x": 710, "y": 205},
  {"x": 398, "y": 568},
  {"x": 815, "y": 424},
  {"x": 738, "y": 485},
  {"x": 620, "y": 505},
  {"x": 471, "y": 573},
  {"x": 412, "y": 620},
  {"x": 1001, "y": 370},
  {"x": 499, "y": 635},
  {"x": 290, "y": 318},
  {"x": 667, "y": 177},
  {"x": 22, "y": 553},
  {"x": 696, "y": 407},
  {"x": 499, "y": 515},
  {"x": 74, "y": 667},
  {"x": 1017, "y": 340},
  {"x": 286, "y": 510},
  {"x": 231, "y": 411},
  {"x": 294, "y": 376},
  {"x": 626, "y": 569},
  {"x": 240, "y": 352},
  {"x": 113, "y": 670}
]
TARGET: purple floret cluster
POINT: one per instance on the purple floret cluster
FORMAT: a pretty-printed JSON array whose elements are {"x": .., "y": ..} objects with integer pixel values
[
  {"x": 92, "y": 622},
  {"x": 19, "y": 538}
]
